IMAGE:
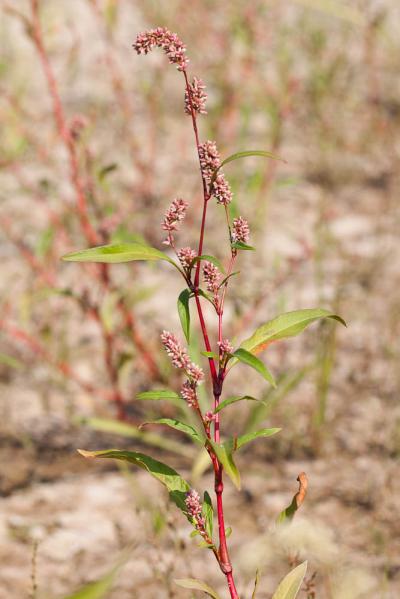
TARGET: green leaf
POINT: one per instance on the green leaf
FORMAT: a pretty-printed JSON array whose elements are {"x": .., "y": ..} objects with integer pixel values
[
  {"x": 285, "y": 325},
  {"x": 212, "y": 259},
  {"x": 176, "y": 485},
  {"x": 210, "y": 354},
  {"x": 240, "y": 245},
  {"x": 264, "y": 432},
  {"x": 256, "y": 582},
  {"x": 208, "y": 514},
  {"x": 244, "y": 154},
  {"x": 179, "y": 426},
  {"x": 224, "y": 454},
  {"x": 248, "y": 358},
  {"x": 290, "y": 585},
  {"x": 119, "y": 252},
  {"x": 230, "y": 400},
  {"x": 158, "y": 394},
  {"x": 184, "y": 312},
  {"x": 124, "y": 429},
  {"x": 197, "y": 585},
  {"x": 228, "y": 531}
]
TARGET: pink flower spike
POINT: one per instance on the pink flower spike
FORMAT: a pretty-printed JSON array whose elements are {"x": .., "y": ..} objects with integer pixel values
[
  {"x": 209, "y": 158},
  {"x": 198, "y": 97},
  {"x": 161, "y": 37},
  {"x": 193, "y": 503},
  {"x": 175, "y": 351},
  {"x": 186, "y": 257},
  {"x": 241, "y": 230},
  {"x": 225, "y": 346},
  {"x": 212, "y": 277},
  {"x": 188, "y": 393},
  {"x": 195, "y": 373},
  {"x": 173, "y": 217},
  {"x": 221, "y": 190}
]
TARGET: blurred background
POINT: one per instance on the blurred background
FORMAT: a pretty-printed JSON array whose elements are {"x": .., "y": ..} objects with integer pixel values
[{"x": 94, "y": 145}]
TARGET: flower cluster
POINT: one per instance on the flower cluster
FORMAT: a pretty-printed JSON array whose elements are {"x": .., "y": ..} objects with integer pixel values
[
  {"x": 196, "y": 97},
  {"x": 209, "y": 158},
  {"x": 173, "y": 216},
  {"x": 240, "y": 230},
  {"x": 212, "y": 277},
  {"x": 194, "y": 510},
  {"x": 188, "y": 393},
  {"x": 179, "y": 357},
  {"x": 221, "y": 190},
  {"x": 193, "y": 505},
  {"x": 186, "y": 257},
  {"x": 169, "y": 42},
  {"x": 225, "y": 346}
]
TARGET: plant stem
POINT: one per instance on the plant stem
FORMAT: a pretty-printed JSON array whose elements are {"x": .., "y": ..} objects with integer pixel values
[{"x": 223, "y": 554}]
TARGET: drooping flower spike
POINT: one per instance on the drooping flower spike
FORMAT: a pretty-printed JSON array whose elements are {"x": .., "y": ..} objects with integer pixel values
[
  {"x": 180, "y": 358},
  {"x": 161, "y": 37}
]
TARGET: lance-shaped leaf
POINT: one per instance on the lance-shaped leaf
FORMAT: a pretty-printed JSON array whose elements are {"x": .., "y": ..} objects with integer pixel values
[
  {"x": 287, "y": 514},
  {"x": 124, "y": 429},
  {"x": 224, "y": 454},
  {"x": 197, "y": 585},
  {"x": 240, "y": 245},
  {"x": 264, "y": 432},
  {"x": 243, "y": 355},
  {"x": 210, "y": 354},
  {"x": 118, "y": 252},
  {"x": 290, "y": 585},
  {"x": 208, "y": 514},
  {"x": 285, "y": 325},
  {"x": 184, "y": 312},
  {"x": 244, "y": 154},
  {"x": 230, "y": 400},
  {"x": 179, "y": 426},
  {"x": 176, "y": 485},
  {"x": 158, "y": 394}
]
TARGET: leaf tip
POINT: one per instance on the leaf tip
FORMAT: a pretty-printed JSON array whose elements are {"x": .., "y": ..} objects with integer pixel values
[{"x": 86, "y": 454}]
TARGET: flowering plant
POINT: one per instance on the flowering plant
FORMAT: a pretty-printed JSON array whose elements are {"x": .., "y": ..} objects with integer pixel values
[{"x": 196, "y": 268}]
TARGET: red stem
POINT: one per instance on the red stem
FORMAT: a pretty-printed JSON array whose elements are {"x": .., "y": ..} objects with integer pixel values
[{"x": 223, "y": 554}]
